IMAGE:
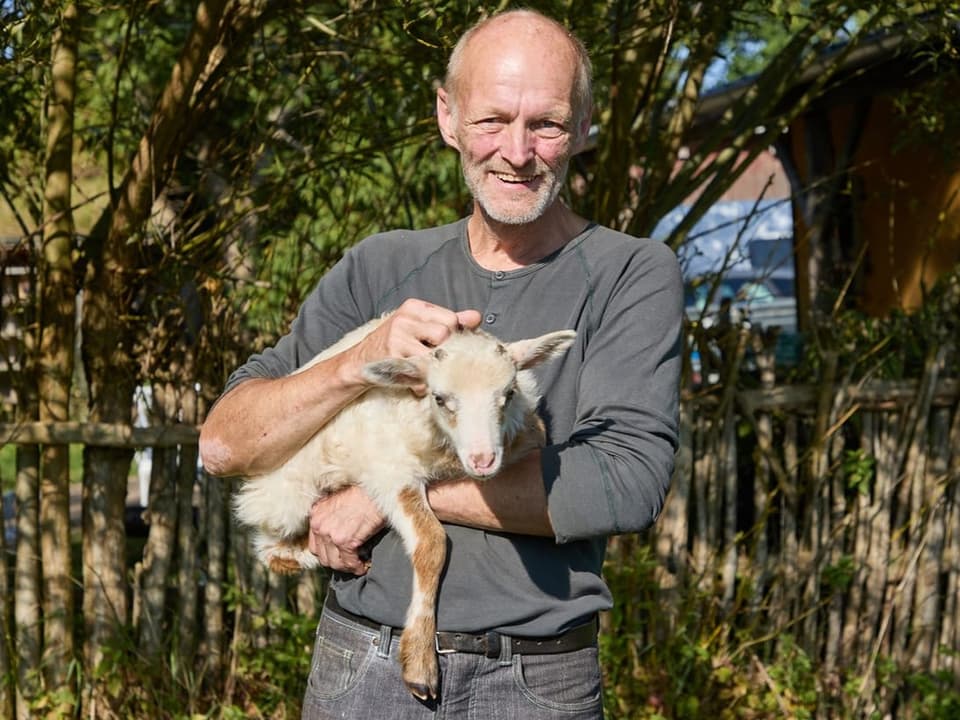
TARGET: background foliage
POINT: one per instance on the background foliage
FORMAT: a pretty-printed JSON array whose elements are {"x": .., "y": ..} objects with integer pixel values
[{"x": 308, "y": 126}]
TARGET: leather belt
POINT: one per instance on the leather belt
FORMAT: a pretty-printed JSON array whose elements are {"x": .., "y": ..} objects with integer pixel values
[{"x": 489, "y": 643}]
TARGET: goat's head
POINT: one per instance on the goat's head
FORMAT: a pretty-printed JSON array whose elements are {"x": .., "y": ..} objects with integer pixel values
[{"x": 478, "y": 394}]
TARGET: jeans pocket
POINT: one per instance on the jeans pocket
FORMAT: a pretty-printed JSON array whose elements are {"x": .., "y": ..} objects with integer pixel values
[
  {"x": 340, "y": 658},
  {"x": 563, "y": 683}
]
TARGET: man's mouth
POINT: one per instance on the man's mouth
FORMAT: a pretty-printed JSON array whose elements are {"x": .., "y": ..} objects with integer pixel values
[{"x": 514, "y": 179}]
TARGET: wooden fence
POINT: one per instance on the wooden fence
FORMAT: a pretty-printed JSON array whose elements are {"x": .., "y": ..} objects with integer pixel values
[{"x": 829, "y": 514}]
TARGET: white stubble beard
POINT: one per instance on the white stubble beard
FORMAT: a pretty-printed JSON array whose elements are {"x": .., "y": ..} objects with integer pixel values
[{"x": 551, "y": 184}]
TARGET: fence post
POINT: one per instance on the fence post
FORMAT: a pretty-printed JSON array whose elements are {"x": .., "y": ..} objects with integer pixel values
[
  {"x": 6, "y": 631},
  {"x": 26, "y": 603}
]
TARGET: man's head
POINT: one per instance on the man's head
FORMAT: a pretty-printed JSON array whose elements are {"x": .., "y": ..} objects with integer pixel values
[
  {"x": 551, "y": 32},
  {"x": 516, "y": 103}
]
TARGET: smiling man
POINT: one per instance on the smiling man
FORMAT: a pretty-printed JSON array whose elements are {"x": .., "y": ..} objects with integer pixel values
[
  {"x": 519, "y": 597},
  {"x": 515, "y": 119}
]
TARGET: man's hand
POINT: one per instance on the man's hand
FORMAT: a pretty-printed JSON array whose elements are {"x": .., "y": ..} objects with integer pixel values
[
  {"x": 412, "y": 329},
  {"x": 340, "y": 524}
]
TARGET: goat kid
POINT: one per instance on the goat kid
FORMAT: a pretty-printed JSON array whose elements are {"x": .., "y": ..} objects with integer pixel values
[{"x": 479, "y": 413}]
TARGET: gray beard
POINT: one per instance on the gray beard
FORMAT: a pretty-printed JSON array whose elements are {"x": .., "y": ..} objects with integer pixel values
[{"x": 534, "y": 213}]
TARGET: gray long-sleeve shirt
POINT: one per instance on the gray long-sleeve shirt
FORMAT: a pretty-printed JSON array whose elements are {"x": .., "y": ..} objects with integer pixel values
[{"x": 610, "y": 405}]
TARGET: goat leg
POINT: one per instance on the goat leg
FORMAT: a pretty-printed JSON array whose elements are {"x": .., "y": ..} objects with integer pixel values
[{"x": 426, "y": 544}]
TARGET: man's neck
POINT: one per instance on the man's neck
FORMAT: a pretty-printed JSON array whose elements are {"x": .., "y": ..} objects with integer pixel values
[{"x": 497, "y": 246}]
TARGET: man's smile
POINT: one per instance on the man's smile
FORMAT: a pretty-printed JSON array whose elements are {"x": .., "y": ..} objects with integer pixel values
[{"x": 511, "y": 178}]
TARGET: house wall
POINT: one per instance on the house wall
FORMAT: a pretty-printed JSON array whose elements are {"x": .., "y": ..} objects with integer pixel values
[
  {"x": 906, "y": 194},
  {"x": 910, "y": 213}
]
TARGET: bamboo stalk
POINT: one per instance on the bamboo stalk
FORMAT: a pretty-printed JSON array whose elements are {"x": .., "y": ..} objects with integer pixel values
[
  {"x": 762, "y": 492},
  {"x": 914, "y": 489},
  {"x": 105, "y": 582},
  {"x": 788, "y": 523},
  {"x": 908, "y": 577},
  {"x": 853, "y": 627},
  {"x": 728, "y": 524},
  {"x": 58, "y": 594},
  {"x": 27, "y": 582},
  {"x": 836, "y": 526},
  {"x": 187, "y": 575},
  {"x": 215, "y": 519},
  {"x": 277, "y": 599},
  {"x": 260, "y": 592},
  {"x": 702, "y": 484},
  {"x": 726, "y": 481},
  {"x": 878, "y": 558},
  {"x": 949, "y": 634},
  {"x": 815, "y": 521},
  {"x": 162, "y": 517},
  {"x": 926, "y": 620},
  {"x": 309, "y": 591},
  {"x": 671, "y": 540},
  {"x": 7, "y": 686}
]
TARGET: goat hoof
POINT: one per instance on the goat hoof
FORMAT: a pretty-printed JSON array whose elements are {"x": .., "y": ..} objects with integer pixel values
[{"x": 422, "y": 691}]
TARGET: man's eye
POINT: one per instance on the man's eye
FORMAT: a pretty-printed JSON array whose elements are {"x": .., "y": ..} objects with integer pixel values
[
  {"x": 548, "y": 128},
  {"x": 490, "y": 124}
]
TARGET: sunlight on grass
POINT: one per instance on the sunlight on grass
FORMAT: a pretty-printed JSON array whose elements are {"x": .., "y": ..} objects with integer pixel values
[{"x": 8, "y": 465}]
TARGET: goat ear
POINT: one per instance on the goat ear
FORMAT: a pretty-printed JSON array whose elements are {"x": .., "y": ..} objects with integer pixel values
[
  {"x": 530, "y": 353},
  {"x": 393, "y": 372}
]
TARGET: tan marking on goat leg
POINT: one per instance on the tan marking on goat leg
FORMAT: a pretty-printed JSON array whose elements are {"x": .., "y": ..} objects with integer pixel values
[
  {"x": 429, "y": 548},
  {"x": 285, "y": 566},
  {"x": 283, "y": 561}
]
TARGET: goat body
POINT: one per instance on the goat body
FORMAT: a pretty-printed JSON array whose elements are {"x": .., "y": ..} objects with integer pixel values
[{"x": 479, "y": 412}]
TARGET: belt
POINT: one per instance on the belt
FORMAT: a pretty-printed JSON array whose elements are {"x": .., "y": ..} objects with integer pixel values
[{"x": 489, "y": 643}]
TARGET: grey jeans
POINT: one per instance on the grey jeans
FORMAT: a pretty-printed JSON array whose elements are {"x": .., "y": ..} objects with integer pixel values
[{"x": 355, "y": 674}]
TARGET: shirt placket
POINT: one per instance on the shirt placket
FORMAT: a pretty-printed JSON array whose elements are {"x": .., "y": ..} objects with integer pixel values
[{"x": 498, "y": 304}]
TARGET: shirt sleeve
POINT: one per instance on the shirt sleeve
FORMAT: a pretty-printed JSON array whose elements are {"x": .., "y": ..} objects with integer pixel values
[
  {"x": 335, "y": 306},
  {"x": 612, "y": 474}
]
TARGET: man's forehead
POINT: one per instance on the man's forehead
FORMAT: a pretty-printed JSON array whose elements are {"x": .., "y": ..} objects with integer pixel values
[
  {"x": 500, "y": 33},
  {"x": 501, "y": 65}
]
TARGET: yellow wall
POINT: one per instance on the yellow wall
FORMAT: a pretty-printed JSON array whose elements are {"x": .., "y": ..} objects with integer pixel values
[{"x": 907, "y": 208}]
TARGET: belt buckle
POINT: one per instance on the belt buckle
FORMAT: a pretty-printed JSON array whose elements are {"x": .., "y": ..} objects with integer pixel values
[
  {"x": 440, "y": 650},
  {"x": 492, "y": 641}
]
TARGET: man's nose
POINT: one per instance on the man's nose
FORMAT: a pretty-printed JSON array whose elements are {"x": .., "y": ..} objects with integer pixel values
[{"x": 518, "y": 145}]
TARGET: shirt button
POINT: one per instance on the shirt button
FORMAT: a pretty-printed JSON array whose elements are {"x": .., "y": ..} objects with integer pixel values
[
  {"x": 490, "y": 318},
  {"x": 499, "y": 274}
]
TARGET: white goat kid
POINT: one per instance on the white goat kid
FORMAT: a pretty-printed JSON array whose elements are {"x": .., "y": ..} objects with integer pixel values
[{"x": 479, "y": 413}]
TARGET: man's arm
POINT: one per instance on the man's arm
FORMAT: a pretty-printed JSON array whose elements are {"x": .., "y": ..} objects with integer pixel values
[
  {"x": 512, "y": 501},
  {"x": 262, "y": 422}
]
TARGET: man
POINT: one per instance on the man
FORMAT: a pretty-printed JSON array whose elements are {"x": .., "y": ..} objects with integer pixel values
[{"x": 519, "y": 598}]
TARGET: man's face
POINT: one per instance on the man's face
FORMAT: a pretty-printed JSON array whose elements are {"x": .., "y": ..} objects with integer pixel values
[{"x": 512, "y": 121}]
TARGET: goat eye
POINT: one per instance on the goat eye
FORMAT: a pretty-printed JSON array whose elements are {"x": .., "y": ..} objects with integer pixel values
[{"x": 438, "y": 399}]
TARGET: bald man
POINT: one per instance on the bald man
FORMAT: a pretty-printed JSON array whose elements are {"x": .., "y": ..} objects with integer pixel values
[{"x": 519, "y": 597}]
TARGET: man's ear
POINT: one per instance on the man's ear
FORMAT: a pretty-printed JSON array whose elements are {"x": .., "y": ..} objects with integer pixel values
[{"x": 445, "y": 119}]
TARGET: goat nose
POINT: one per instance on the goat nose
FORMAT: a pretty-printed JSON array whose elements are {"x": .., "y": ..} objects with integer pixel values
[{"x": 483, "y": 463}]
